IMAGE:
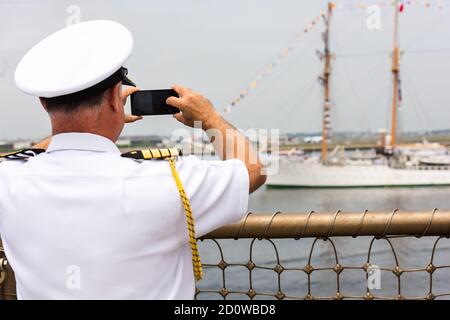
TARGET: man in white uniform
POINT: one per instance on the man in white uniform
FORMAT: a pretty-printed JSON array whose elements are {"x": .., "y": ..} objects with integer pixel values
[{"x": 81, "y": 222}]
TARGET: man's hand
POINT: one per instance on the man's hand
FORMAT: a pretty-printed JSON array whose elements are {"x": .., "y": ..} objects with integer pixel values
[
  {"x": 125, "y": 93},
  {"x": 129, "y": 118},
  {"x": 193, "y": 107},
  {"x": 228, "y": 142}
]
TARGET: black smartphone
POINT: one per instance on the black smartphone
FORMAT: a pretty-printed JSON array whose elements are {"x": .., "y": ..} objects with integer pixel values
[{"x": 152, "y": 102}]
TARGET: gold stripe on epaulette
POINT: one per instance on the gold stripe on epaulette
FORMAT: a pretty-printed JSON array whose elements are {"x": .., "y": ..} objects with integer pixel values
[
  {"x": 146, "y": 154},
  {"x": 174, "y": 152},
  {"x": 165, "y": 153}
]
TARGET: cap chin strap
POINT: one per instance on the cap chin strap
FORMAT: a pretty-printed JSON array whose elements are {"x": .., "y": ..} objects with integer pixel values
[{"x": 170, "y": 155}]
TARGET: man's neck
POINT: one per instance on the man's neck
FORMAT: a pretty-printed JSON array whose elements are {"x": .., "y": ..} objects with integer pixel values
[
  {"x": 83, "y": 124},
  {"x": 83, "y": 130}
]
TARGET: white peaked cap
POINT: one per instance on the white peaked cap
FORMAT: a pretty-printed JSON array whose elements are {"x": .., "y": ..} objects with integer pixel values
[{"x": 74, "y": 58}]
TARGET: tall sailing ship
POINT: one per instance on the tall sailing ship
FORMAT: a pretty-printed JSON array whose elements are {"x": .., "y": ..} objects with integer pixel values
[{"x": 393, "y": 165}]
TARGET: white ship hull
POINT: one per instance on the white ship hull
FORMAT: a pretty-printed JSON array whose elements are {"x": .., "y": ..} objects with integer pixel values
[{"x": 315, "y": 175}]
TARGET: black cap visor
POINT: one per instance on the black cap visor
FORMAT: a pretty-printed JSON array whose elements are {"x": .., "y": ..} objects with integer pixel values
[{"x": 112, "y": 80}]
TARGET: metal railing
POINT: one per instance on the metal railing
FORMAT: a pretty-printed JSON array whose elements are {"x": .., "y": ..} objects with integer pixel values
[
  {"x": 297, "y": 275},
  {"x": 433, "y": 226},
  {"x": 7, "y": 281}
]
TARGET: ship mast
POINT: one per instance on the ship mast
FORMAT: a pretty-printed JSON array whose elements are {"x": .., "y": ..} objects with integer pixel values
[
  {"x": 395, "y": 78},
  {"x": 326, "y": 126}
]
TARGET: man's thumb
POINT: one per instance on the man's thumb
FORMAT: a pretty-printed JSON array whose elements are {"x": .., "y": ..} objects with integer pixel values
[{"x": 180, "y": 117}]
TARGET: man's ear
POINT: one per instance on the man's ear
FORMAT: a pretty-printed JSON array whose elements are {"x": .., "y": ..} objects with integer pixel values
[{"x": 115, "y": 97}]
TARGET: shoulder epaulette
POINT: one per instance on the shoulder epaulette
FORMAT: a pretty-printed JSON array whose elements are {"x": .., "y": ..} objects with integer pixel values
[
  {"x": 149, "y": 154},
  {"x": 23, "y": 154}
]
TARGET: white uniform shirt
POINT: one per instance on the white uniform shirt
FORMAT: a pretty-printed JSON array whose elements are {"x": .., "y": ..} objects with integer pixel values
[{"x": 81, "y": 222}]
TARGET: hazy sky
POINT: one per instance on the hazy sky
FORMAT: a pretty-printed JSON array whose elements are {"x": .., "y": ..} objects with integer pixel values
[{"x": 218, "y": 47}]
